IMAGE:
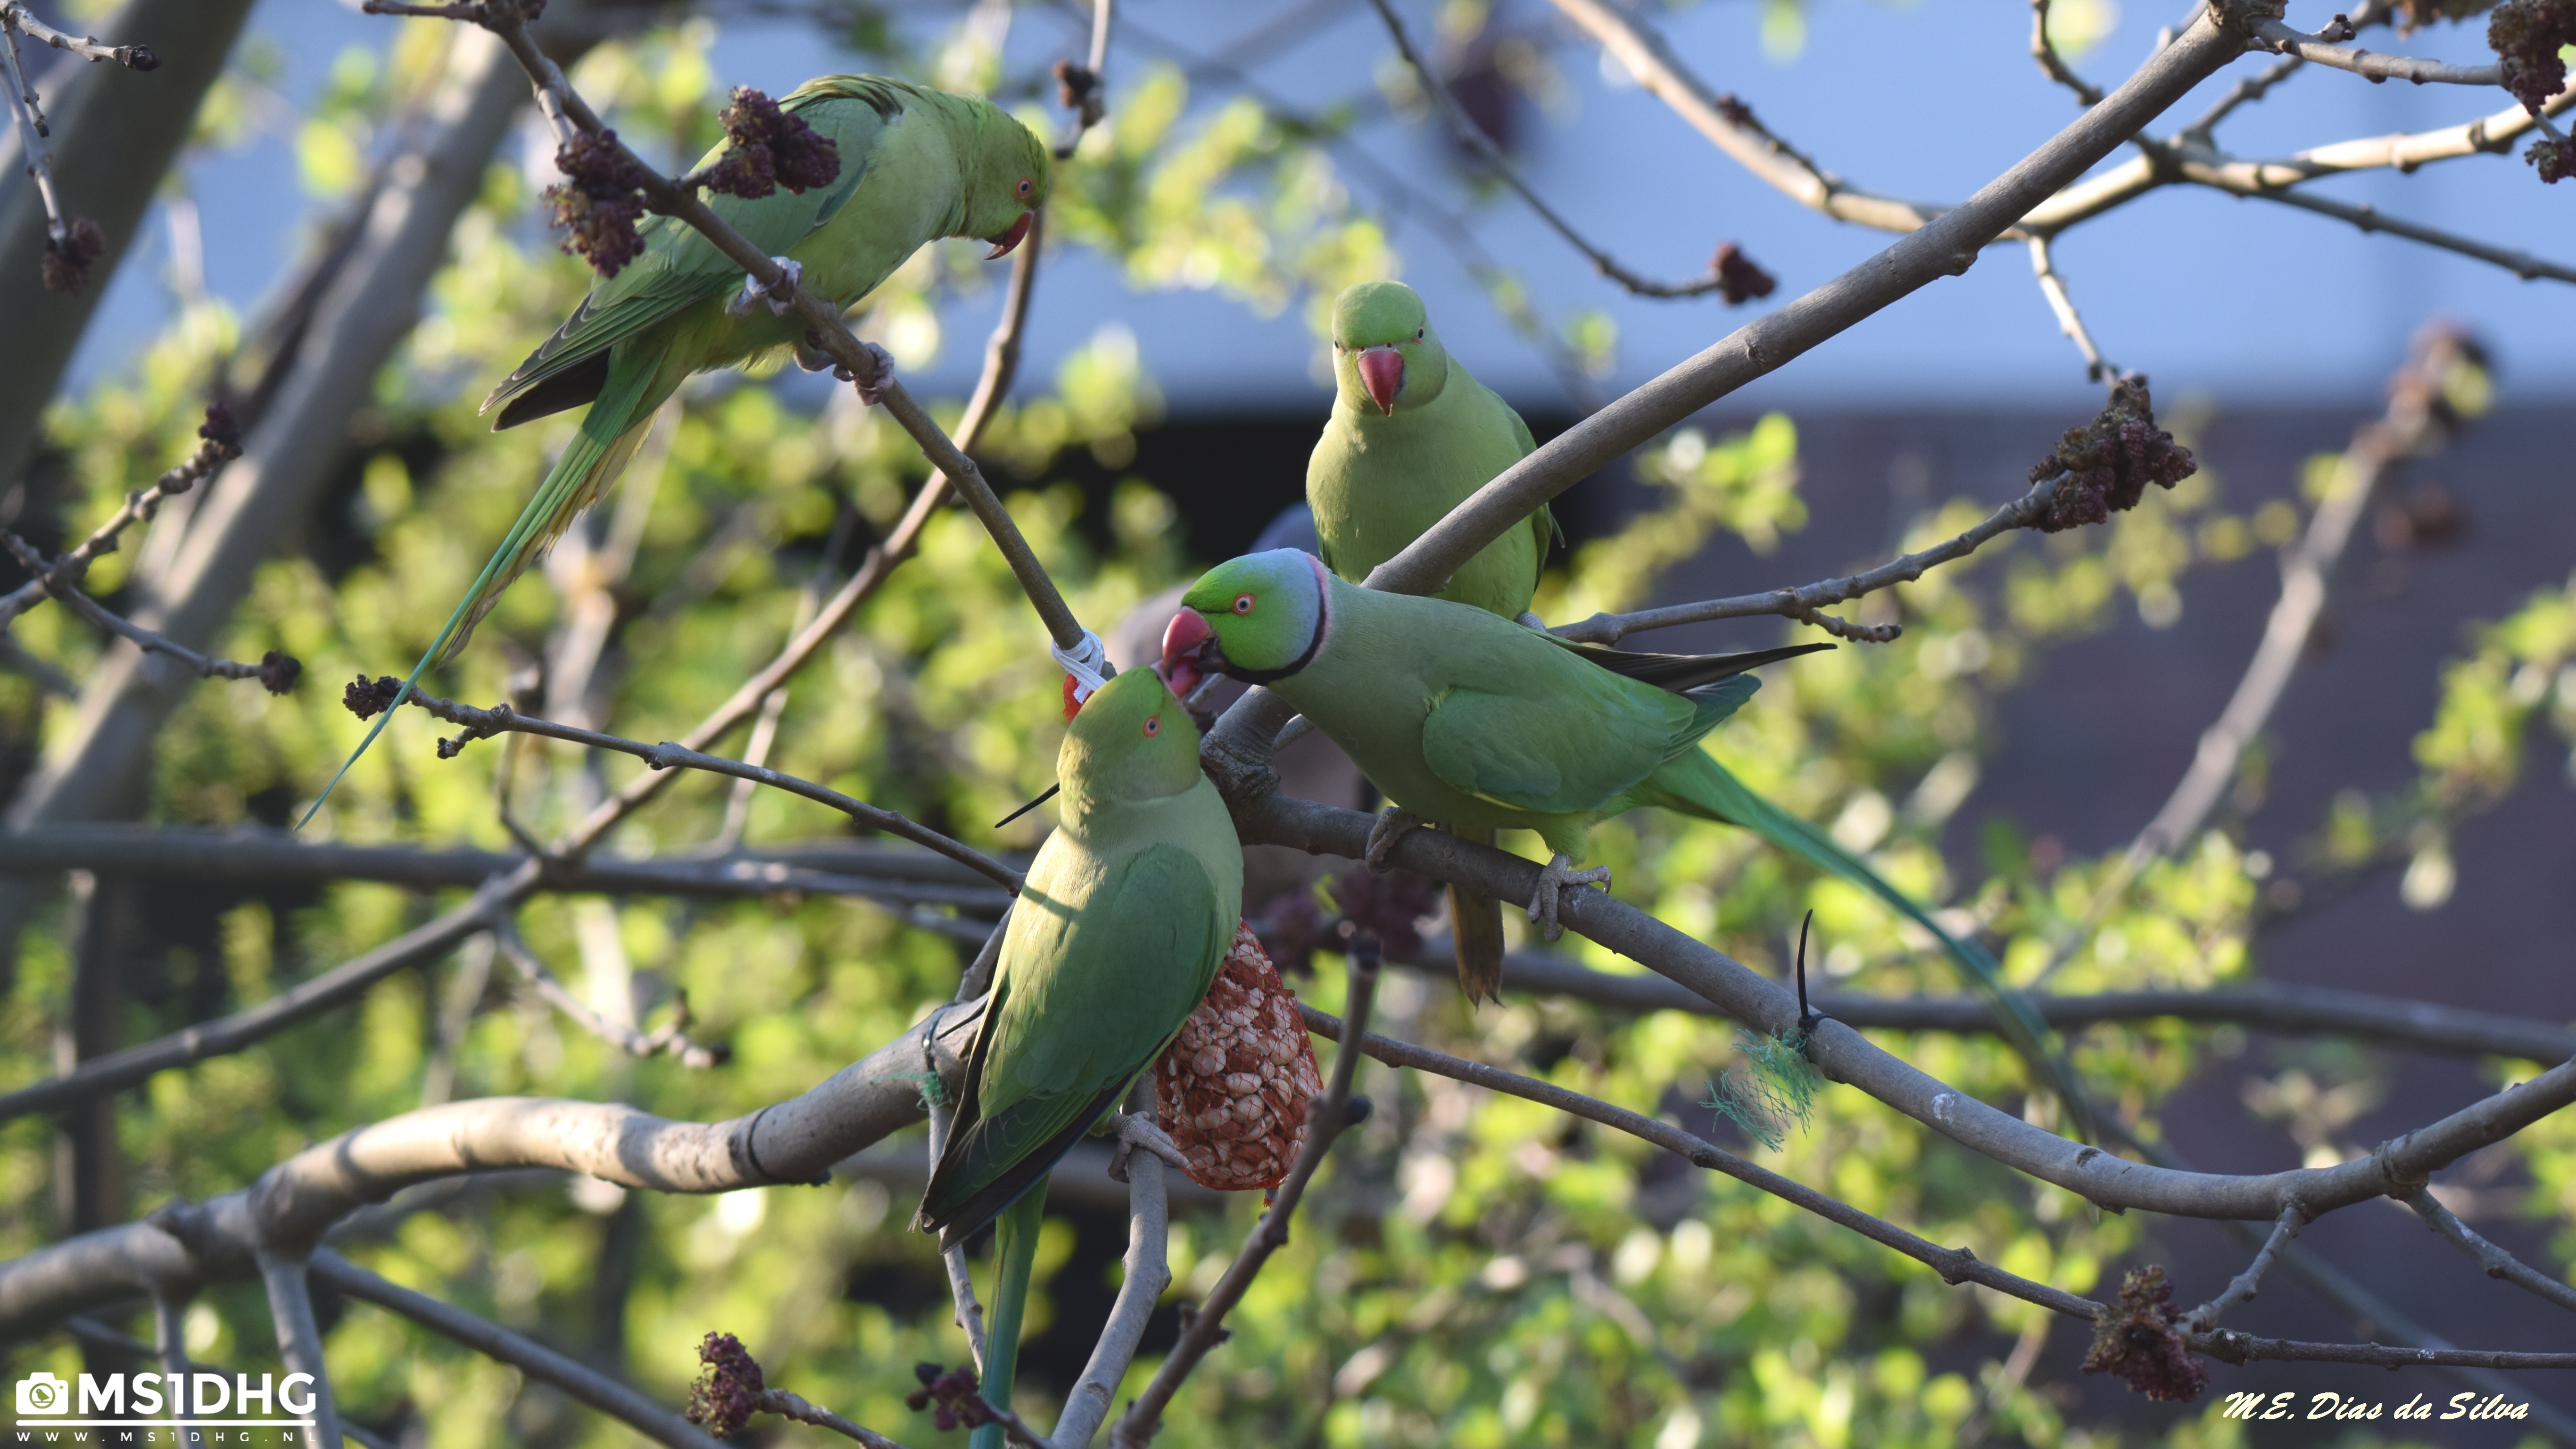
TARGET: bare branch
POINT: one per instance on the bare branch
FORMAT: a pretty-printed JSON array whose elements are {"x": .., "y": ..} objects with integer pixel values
[
  {"x": 2404, "y": 151},
  {"x": 1736, "y": 287},
  {"x": 670, "y": 1039},
  {"x": 2268, "y": 1006},
  {"x": 2242, "y": 1286},
  {"x": 220, "y": 443},
  {"x": 1326, "y": 1119},
  {"x": 277, "y": 673},
  {"x": 1805, "y": 604},
  {"x": 2370, "y": 65},
  {"x": 2053, "y": 287},
  {"x": 2053, "y": 65},
  {"x": 2521, "y": 263},
  {"x": 2497, "y": 1262},
  {"x": 2414, "y": 419},
  {"x": 65, "y": 271},
  {"x": 1730, "y": 125},
  {"x": 588, "y": 1385},
  {"x": 1085, "y": 86},
  {"x": 1845, "y": 1056},
  {"x": 1955, "y": 1265},
  {"x": 2229, "y": 1346},
  {"x": 2245, "y": 92},
  {"x": 1946, "y": 246},
  {"x": 299, "y": 1336},
  {"x": 484, "y": 723},
  {"x": 1148, "y": 1272},
  {"x": 88, "y": 47},
  {"x": 792, "y": 1406}
]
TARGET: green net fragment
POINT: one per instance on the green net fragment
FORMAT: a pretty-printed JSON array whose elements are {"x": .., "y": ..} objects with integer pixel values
[{"x": 1774, "y": 1092}]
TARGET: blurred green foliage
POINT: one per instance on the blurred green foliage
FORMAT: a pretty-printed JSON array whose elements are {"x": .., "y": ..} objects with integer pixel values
[{"x": 1473, "y": 1271}]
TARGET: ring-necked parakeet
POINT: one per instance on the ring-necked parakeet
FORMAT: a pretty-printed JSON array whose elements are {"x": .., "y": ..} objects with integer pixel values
[
  {"x": 1412, "y": 436},
  {"x": 915, "y": 165},
  {"x": 1128, "y": 910},
  {"x": 1462, "y": 717}
]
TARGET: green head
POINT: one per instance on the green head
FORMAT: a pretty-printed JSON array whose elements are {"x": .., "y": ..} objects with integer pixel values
[
  {"x": 1007, "y": 177},
  {"x": 1259, "y": 618},
  {"x": 1131, "y": 741},
  {"x": 1385, "y": 354}
]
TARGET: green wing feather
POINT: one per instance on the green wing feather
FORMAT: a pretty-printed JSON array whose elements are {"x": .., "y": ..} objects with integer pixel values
[
  {"x": 680, "y": 266},
  {"x": 1065, "y": 1037},
  {"x": 1554, "y": 753}
]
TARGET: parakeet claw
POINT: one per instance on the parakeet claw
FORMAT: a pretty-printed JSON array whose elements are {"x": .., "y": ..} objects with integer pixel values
[
  {"x": 1530, "y": 621},
  {"x": 1135, "y": 1129},
  {"x": 812, "y": 358},
  {"x": 1393, "y": 824},
  {"x": 871, "y": 395},
  {"x": 1553, "y": 881},
  {"x": 754, "y": 291}
]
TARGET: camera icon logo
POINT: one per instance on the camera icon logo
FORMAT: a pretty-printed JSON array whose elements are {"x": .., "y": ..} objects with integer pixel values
[{"x": 44, "y": 1394}]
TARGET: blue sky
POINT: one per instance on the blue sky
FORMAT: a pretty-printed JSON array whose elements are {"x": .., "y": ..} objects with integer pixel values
[{"x": 2239, "y": 299}]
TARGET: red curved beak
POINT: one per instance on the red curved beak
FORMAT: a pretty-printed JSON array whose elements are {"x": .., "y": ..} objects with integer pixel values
[
  {"x": 1382, "y": 373},
  {"x": 1019, "y": 232},
  {"x": 1187, "y": 643}
]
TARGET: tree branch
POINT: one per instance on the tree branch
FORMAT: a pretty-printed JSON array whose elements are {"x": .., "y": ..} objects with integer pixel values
[
  {"x": 2053, "y": 287},
  {"x": 671, "y": 1039},
  {"x": 2266, "y": 1006},
  {"x": 1147, "y": 1273},
  {"x": 219, "y": 444},
  {"x": 2497, "y": 1262},
  {"x": 2521, "y": 263},
  {"x": 1946, "y": 246},
  {"x": 1845, "y": 1056},
  {"x": 1806, "y": 603},
  {"x": 299, "y": 1336},
  {"x": 87, "y": 47},
  {"x": 2370, "y": 65},
  {"x": 500, "y": 718},
  {"x": 2242, "y": 1286},
  {"x": 277, "y": 673},
  {"x": 1326, "y": 1120},
  {"x": 1473, "y": 137},
  {"x": 583, "y": 1383},
  {"x": 2053, "y": 65}
]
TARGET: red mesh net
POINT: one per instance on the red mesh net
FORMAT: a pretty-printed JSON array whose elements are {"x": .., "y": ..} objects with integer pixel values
[{"x": 1232, "y": 1091}]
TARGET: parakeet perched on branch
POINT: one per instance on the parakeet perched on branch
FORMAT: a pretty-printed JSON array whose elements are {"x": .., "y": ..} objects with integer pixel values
[
  {"x": 1464, "y": 718},
  {"x": 1412, "y": 436},
  {"x": 1129, "y": 908},
  {"x": 913, "y": 166}
]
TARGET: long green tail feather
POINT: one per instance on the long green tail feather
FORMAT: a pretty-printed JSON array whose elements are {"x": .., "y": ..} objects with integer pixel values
[
  {"x": 1697, "y": 784},
  {"x": 590, "y": 462},
  {"x": 1015, "y": 1252}
]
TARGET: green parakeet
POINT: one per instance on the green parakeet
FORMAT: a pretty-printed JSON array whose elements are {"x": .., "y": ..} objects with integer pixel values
[
  {"x": 1128, "y": 911},
  {"x": 1465, "y": 718},
  {"x": 915, "y": 165},
  {"x": 1412, "y": 436}
]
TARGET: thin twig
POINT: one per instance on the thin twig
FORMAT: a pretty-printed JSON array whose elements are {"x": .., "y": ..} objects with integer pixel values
[
  {"x": 1474, "y": 138},
  {"x": 1326, "y": 1120},
  {"x": 2245, "y": 92},
  {"x": 790, "y": 1406},
  {"x": 88, "y": 47},
  {"x": 1086, "y": 86},
  {"x": 2497, "y": 1262},
  {"x": 31, "y": 131},
  {"x": 2053, "y": 287},
  {"x": 485, "y": 723},
  {"x": 2369, "y": 218},
  {"x": 277, "y": 673},
  {"x": 1806, "y": 603},
  {"x": 586, "y": 1384},
  {"x": 2053, "y": 65},
  {"x": 2242, "y": 1286},
  {"x": 671, "y": 1039},
  {"x": 2412, "y": 420},
  {"x": 2371, "y": 65}
]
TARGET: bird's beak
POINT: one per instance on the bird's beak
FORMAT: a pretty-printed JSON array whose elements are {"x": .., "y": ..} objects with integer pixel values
[
  {"x": 1382, "y": 373},
  {"x": 1018, "y": 233},
  {"x": 1190, "y": 652}
]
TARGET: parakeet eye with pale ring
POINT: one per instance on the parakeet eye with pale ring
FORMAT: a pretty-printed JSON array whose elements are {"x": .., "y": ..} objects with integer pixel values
[
  {"x": 1153, "y": 725},
  {"x": 1026, "y": 186},
  {"x": 1243, "y": 603},
  {"x": 1419, "y": 331}
]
